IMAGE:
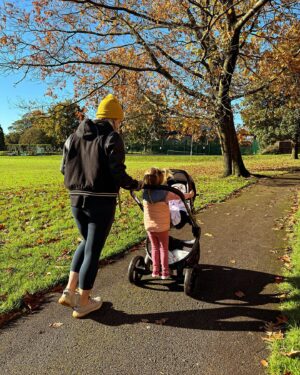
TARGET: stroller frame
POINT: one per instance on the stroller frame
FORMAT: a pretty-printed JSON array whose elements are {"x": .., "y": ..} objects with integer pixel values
[{"x": 186, "y": 267}]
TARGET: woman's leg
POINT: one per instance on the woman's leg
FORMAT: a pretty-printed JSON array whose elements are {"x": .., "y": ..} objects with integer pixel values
[
  {"x": 154, "y": 252},
  {"x": 100, "y": 222},
  {"x": 164, "y": 251},
  {"x": 82, "y": 223}
]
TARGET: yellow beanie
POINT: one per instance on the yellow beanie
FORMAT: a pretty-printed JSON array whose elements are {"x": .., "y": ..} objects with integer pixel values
[{"x": 110, "y": 108}]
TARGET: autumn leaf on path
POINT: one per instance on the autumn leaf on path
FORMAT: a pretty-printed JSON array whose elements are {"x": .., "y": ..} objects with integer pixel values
[
  {"x": 264, "y": 363},
  {"x": 55, "y": 325},
  {"x": 161, "y": 321},
  {"x": 291, "y": 354},
  {"x": 233, "y": 261},
  {"x": 285, "y": 258},
  {"x": 239, "y": 294},
  {"x": 32, "y": 301},
  {"x": 208, "y": 235}
]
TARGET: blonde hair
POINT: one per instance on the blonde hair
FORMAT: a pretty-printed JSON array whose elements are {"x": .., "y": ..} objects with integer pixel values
[{"x": 156, "y": 176}]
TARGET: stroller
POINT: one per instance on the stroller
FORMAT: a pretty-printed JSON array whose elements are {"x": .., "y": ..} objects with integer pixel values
[{"x": 184, "y": 245}]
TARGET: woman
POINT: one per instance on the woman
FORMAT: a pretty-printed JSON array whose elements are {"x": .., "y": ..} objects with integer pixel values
[{"x": 94, "y": 170}]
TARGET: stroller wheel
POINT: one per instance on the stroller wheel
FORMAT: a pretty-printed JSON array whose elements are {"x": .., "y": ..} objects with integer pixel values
[
  {"x": 189, "y": 280},
  {"x": 135, "y": 269}
]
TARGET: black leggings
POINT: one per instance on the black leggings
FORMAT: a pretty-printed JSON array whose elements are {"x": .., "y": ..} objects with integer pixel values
[{"x": 94, "y": 224}]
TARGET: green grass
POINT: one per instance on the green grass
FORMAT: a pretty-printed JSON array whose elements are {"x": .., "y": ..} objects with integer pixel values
[
  {"x": 279, "y": 363},
  {"x": 37, "y": 232}
]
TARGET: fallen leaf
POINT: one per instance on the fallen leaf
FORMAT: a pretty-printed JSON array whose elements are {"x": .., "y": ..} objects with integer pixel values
[
  {"x": 161, "y": 321},
  {"x": 271, "y": 327},
  {"x": 2, "y": 226},
  {"x": 55, "y": 325},
  {"x": 273, "y": 336},
  {"x": 3, "y": 297},
  {"x": 10, "y": 270},
  {"x": 33, "y": 301},
  {"x": 291, "y": 354},
  {"x": 233, "y": 261},
  {"x": 285, "y": 258},
  {"x": 264, "y": 363},
  {"x": 208, "y": 235},
  {"x": 279, "y": 279},
  {"x": 281, "y": 319},
  {"x": 40, "y": 241},
  {"x": 239, "y": 294}
]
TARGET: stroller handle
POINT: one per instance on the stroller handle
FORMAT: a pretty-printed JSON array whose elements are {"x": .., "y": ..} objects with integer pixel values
[{"x": 172, "y": 190}]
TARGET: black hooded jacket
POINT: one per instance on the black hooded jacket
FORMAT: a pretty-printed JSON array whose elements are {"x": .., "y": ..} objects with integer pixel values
[{"x": 93, "y": 161}]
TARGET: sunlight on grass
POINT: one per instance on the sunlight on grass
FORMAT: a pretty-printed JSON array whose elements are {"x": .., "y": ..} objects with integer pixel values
[{"x": 279, "y": 362}]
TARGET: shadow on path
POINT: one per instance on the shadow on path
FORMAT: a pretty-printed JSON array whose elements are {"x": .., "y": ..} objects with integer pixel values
[{"x": 216, "y": 285}]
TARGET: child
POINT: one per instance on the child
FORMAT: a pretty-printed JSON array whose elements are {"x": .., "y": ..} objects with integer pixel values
[{"x": 157, "y": 219}]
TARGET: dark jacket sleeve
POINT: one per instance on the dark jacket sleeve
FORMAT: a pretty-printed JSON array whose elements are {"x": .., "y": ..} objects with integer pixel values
[
  {"x": 65, "y": 153},
  {"x": 115, "y": 152}
]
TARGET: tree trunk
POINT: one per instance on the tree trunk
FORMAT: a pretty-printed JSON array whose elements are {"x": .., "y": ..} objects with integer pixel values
[
  {"x": 233, "y": 162},
  {"x": 295, "y": 146},
  {"x": 225, "y": 147}
]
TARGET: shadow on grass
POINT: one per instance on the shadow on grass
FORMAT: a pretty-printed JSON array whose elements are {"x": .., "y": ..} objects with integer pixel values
[{"x": 220, "y": 310}]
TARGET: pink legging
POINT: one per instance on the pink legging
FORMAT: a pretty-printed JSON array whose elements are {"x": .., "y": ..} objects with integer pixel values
[{"x": 159, "y": 251}]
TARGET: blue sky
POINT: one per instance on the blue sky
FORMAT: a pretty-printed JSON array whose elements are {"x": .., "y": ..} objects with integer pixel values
[{"x": 11, "y": 94}]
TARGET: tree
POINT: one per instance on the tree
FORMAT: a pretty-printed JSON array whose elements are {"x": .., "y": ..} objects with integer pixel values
[
  {"x": 12, "y": 138},
  {"x": 196, "y": 47},
  {"x": 25, "y": 122},
  {"x": 60, "y": 121},
  {"x": 274, "y": 113},
  {"x": 147, "y": 120},
  {"x": 2, "y": 139},
  {"x": 53, "y": 126},
  {"x": 271, "y": 119},
  {"x": 33, "y": 136}
]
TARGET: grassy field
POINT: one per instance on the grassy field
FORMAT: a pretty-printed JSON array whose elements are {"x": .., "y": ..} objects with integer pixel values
[
  {"x": 285, "y": 357},
  {"x": 37, "y": 232}
]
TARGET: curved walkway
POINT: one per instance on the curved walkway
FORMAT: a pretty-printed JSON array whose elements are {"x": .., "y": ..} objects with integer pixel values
[{"x": 156, "y": 329}]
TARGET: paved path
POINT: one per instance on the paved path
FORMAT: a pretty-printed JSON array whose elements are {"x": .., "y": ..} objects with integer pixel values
[{"x": 214, "y": 333}]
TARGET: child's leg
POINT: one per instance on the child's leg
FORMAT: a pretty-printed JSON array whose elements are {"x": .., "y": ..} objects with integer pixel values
[
  {"x": 154, "y": 251},
  {"x": 164, "y": 251}
]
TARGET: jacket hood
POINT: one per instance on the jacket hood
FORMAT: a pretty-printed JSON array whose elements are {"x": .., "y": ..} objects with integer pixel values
[{"x": 90, "y": 129}]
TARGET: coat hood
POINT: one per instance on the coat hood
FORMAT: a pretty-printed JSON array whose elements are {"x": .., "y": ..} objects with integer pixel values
[{"x": 91, "y": 129}]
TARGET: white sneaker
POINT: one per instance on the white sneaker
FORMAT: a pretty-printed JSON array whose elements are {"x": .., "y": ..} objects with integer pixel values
[
  {"x": 93, "y": 305},
  {"x": 69, "y": 298}
]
